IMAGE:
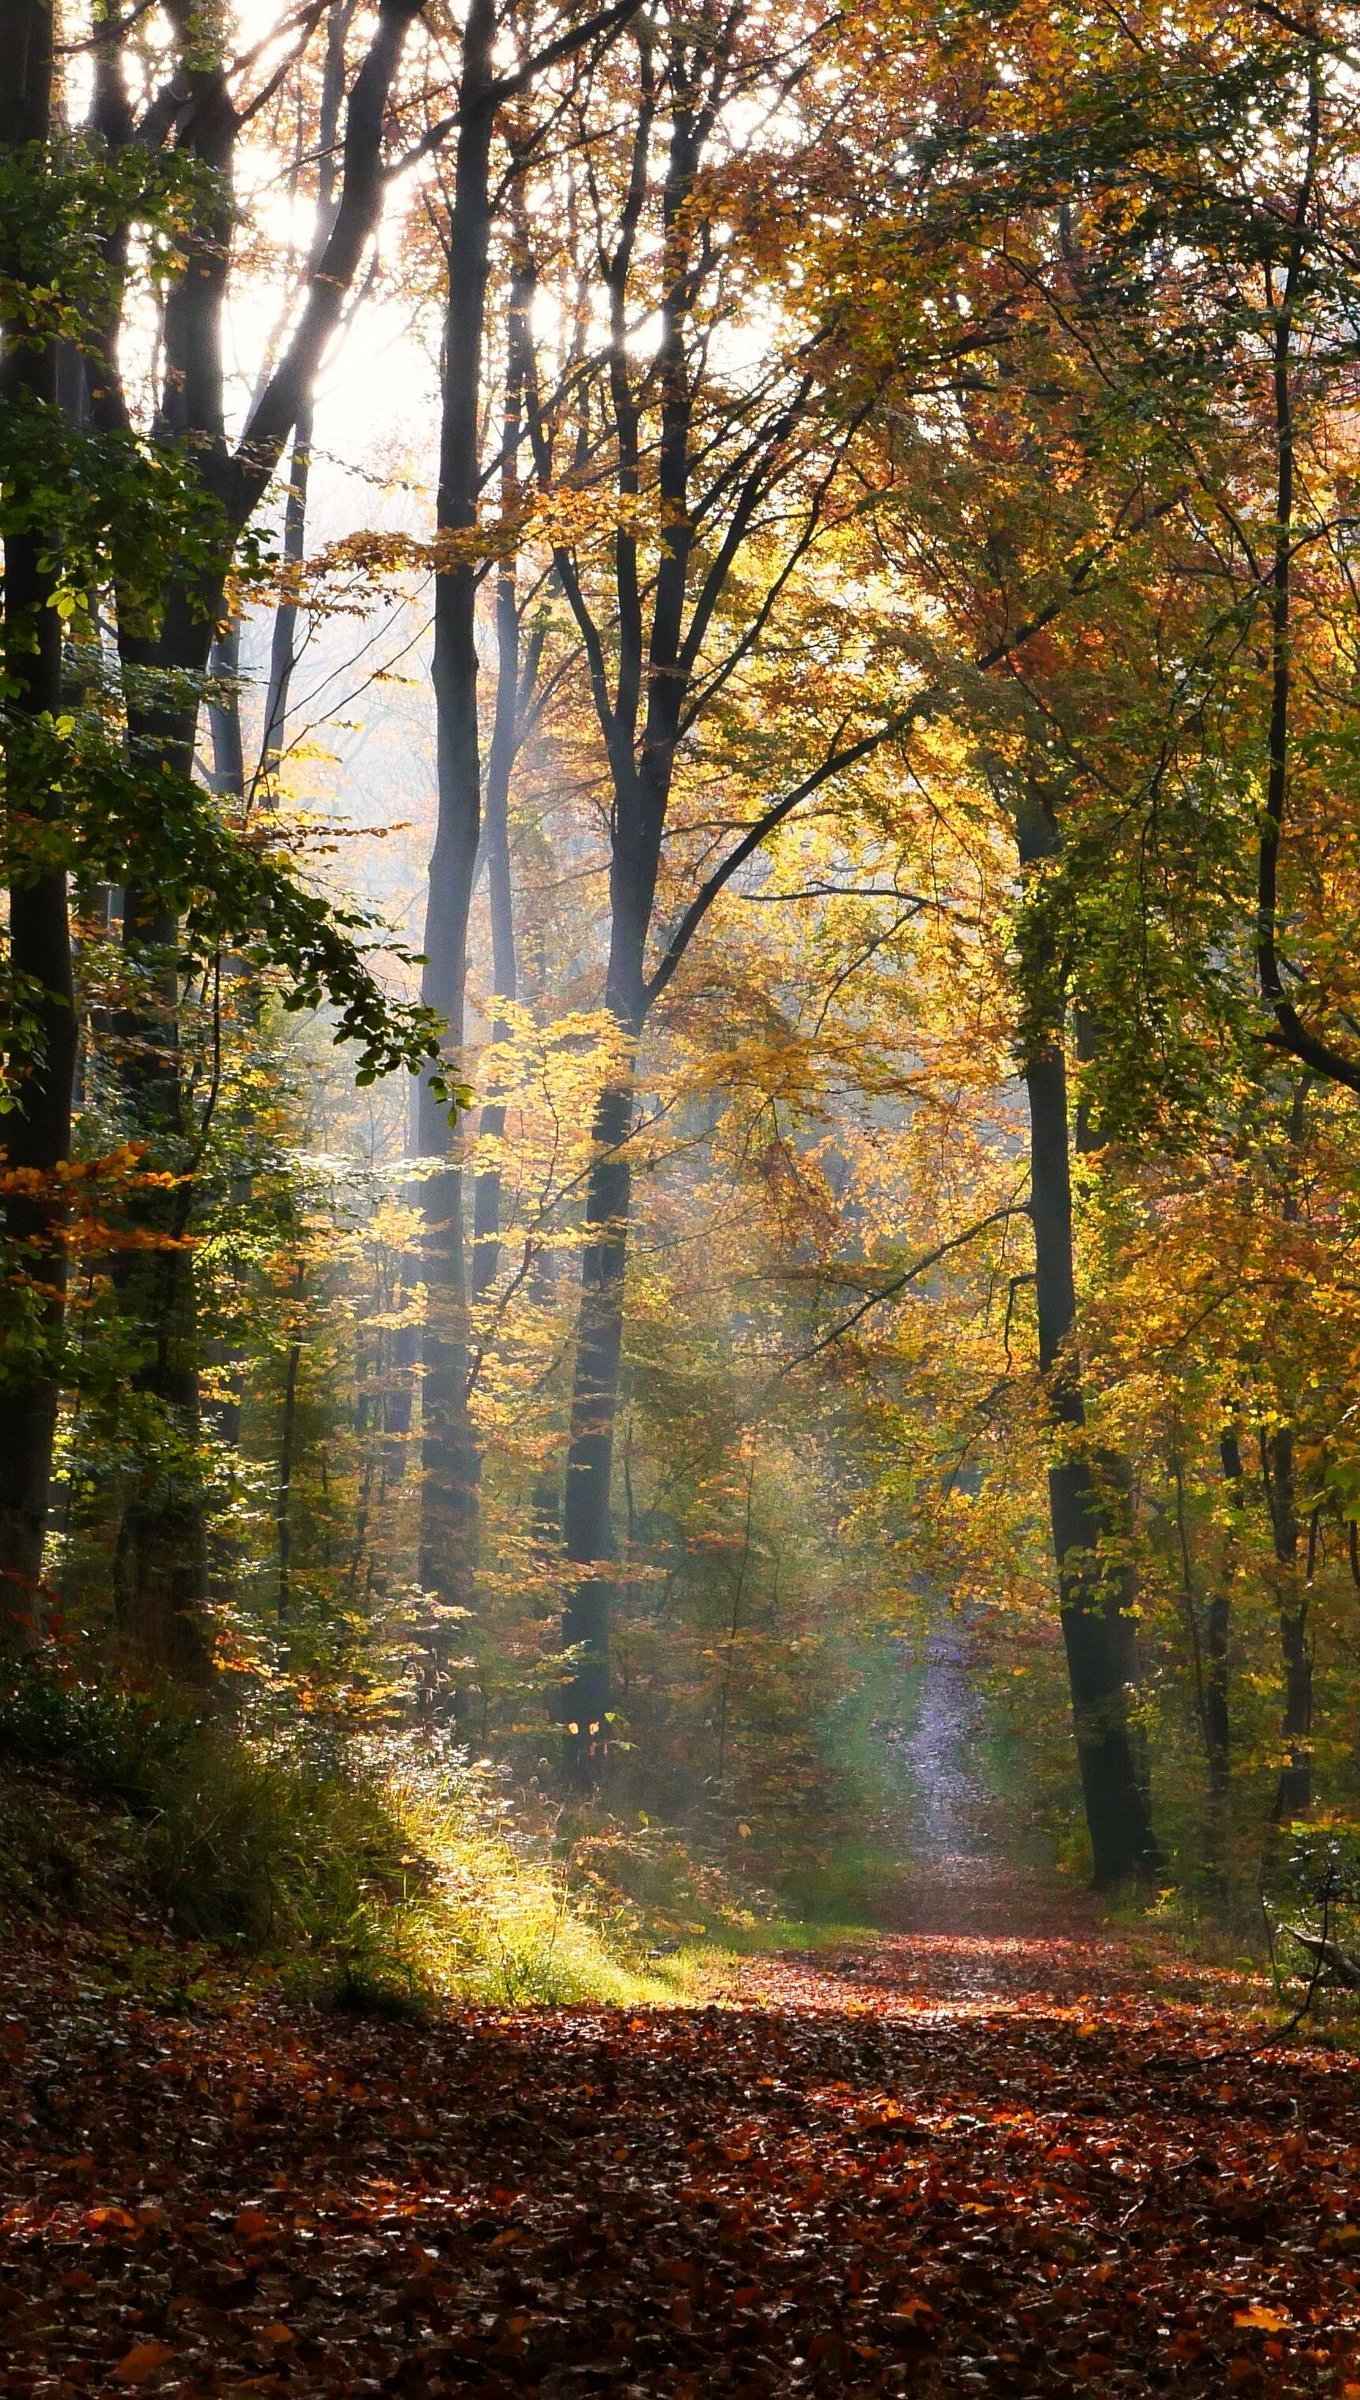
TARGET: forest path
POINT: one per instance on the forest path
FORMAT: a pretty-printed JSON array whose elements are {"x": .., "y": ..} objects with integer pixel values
[
  {"x": 929, "y": 2164},
  {"x": 973, "y": 1941}
]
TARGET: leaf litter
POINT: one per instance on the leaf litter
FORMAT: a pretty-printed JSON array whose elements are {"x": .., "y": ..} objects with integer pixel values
[{"x": 927, "y": 2164}]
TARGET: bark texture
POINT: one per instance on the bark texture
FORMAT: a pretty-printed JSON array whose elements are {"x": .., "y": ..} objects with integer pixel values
[
  {"x": 37, "y": 1129},
  {"x": 1089, "y": 1488},
  {"x": 449, "y": 1459},
  {"x": 161, "y": 1565}
]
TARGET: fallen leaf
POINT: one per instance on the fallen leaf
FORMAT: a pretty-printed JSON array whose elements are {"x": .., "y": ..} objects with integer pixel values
[
  {"x": 142, "y": 2360},
  {"x": 254, "y": 2225}
]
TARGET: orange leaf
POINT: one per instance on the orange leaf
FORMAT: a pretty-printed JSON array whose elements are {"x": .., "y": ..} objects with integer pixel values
[
  {"x": 1263, "y": 2320},
  {"x": 142, "y": 2360},
  {"x": 276, "y": 2332},
  {"x": 254, "y": 2225}
]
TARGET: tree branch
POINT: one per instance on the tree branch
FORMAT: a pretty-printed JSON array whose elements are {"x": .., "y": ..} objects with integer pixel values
[
  {"x": 920, "y": 1266},
  {"x": 841, "y": 759},
  {"x": 361, "y": 197}
]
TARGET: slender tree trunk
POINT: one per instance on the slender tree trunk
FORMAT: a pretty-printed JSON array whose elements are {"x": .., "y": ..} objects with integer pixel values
[
  {"x": 161, "y": 1583},
  {"x": 287, "y": 1449},
  {"x": 650, "y": 692},
  {"x": 587, "y": 1532},
  {"x": 283, "y": 645},
  {"x": 644, "y": 650},
  {"x": 734, "y": 1627},
  {"x": 228, "y": 776},
  {"x": 486, "y": 1197},
  {"x": 586, "y": 1523},
  {"x": 450, "y": 1463},
  {"x": 283, "y": 638},
  {"x": 1294, "y": 1789},
  {"x": 37, "y": 1129},
  {"x": 486, "y": 1200},
  {"x": 1089, "y": 1491},
  {"x": 228, "y": 781},
  {"x": 1208, "y": 1629},
  {"x": 1217, "y": 1708}
]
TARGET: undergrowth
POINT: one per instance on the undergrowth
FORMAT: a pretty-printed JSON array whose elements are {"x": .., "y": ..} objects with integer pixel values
[{"x": 382, "y": 1872}]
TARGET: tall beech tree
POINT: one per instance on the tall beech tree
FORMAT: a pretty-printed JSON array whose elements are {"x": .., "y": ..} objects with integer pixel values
[
  {"x": 37, "y": 1126},
  {"x": 708, "y": 477},
  {"x": 517, "y": 672},
  {"x": 449, "y": 1452},
  {"x": 1089, "y": 1483},
  {"x": 162, "y": 1557}
]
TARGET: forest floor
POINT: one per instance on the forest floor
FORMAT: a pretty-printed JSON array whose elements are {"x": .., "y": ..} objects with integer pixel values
[{"x": 1002, "y": 2150}]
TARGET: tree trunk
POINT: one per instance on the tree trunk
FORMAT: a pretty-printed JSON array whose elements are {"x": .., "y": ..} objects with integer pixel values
[
  {"x": 641, "y": 730},
  {"x": 645, "y": 651},
  {"x": 283, "y": 638},
  {"x": 228, "y": 776},
  {"x": 1217, "y": 1709},
  {"x": 283, "y": 644},
  {"x": 586, "y": 1525},
  {"x": 1294, "y": 1789},
  {"x": 287, "y": 1448},
  {"x": 161, "y": 1560},
  {"x": 486, "y": 1201},
  {"x": 1089, "y": 1490},
  {"x": 162, "y": 1550},
  {"x": 450, "y": 1464},
  {"x": 37, "y": 1129}
]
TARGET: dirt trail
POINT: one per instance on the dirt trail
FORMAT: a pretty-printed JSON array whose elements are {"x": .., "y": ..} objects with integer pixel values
[
  {"x": 973, "y": 1929},
  {"x": 935, "y": 2164}
]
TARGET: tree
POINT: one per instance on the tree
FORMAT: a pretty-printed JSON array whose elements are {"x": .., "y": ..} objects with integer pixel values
[
  {"x": 701, "y": 471},
  {"x": 38, "y": 1120},
  {"x": 162, "y": 1552}
]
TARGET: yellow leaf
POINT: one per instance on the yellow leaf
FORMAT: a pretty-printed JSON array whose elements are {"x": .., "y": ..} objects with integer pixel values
[{"x": 1263, "y": 2320}]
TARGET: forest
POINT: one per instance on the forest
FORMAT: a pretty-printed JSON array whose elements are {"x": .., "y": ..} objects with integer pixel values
[{"x": 679, "y": 1197}]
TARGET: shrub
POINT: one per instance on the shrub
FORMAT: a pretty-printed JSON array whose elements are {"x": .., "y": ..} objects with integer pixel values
[{"x": 383, "y": 1871}]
